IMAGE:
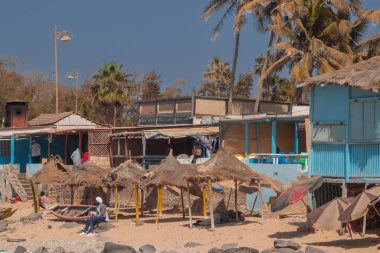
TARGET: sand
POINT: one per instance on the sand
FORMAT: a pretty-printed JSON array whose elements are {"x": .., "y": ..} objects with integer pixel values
[{"x": 173, "y": 233}]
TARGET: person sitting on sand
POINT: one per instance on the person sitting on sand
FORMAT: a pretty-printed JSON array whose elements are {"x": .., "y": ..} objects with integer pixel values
[
  {"x": 101, "y": 215},
  {"x": 44, "y": 200}
]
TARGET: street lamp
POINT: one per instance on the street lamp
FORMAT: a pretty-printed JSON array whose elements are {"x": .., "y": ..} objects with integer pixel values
[
  {"x": 72, "y": 76},
  {"x": 62, "y": 36}
]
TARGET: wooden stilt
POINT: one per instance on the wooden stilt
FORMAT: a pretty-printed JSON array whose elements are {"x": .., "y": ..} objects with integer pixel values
[
  {"x": 161, "y": 197},
  {"x": 158, "y": 204},
  {"x": 37, "y": 199},
  {"x": 261, "y": 203},
  {"x": 236, "y": 203},
  {"x": 189, "y": 203},
  {"x": 137, "y": 202},
  {"x": 228, "y": 201},
  {"x": 71, "y": 195},
  {"x": 204, "y": 198},
  {"x": 78, "y": 195},
  {"x": 34, "y": 195},
  {"x": 142, "y": 203},
  {"x": 183, "y": 205},
  {"x": 364, "y": 225},
  {"x": 116, "y": 201},
  {"x": 211, "y": 205}
]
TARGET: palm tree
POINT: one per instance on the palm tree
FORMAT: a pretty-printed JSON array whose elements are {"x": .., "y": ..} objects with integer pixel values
[
  {"x": 219, "y": 74},
  {"x": 111, "y": 87},
  {"x": 231, "y": 8}
]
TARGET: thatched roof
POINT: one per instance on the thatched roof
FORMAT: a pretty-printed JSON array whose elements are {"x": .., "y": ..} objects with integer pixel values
[
  {"x": 126, "y": 174},
  {"x": 170, "y": 172},
  {"x": 225, "y": 166},
  {"x": 364, "y": 75},
  {"x": 53, "y": 172},
  {"x": 88, "y": 174}
]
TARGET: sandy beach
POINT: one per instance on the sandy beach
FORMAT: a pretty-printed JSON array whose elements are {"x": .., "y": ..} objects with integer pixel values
[{"x": 173, "y": 233}]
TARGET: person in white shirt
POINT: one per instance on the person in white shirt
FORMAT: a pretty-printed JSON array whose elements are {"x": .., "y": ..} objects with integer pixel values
[
  {"x": 36, "y": 152},
  {"x": 75, "y": 156}
]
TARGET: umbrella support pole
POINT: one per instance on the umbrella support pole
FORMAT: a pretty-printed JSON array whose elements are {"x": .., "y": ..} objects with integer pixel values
[
  {"x": 228, "y": 201},
  {"x": 211, "y": 205},
  {"x": 161, "y": 193},
  {"x": 71, "y": 195},
  {"x": 364, "y": 225},
  {"x": 158, "y": 205},
  {"x": 189, "y": 202},
  {"x": 308, "y": 210},
  {"x": 116, "y": 201},
  {"x": 254, "y": 203},
  {"x": 183, "y": 205},
  {"x": 236, "y": 201},
  {"x": 204, "y": 201},
  {"x": 377, "y": 212},
  {"x": 142, "y": 202},
  {"x": 261, "y": 203},
  {"x": 78, "y": 195},
  {"x": 137, "y": 202}
]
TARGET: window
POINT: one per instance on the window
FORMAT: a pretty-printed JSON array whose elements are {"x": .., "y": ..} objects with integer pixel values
[
  {"x": 365, "y": 120},
  {"x": 118, "y": 147},
  {"x": 329, "y": 132}
]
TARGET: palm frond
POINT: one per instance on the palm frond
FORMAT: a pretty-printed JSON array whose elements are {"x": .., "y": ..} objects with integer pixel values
[
  {"x": 212, "y": 7},
  {"x": 219, "y": 25}
]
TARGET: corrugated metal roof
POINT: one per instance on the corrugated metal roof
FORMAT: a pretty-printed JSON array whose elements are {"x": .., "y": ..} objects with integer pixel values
[
  {"x": 48, "y": 119},
  {"x": 172, "y": 132}
]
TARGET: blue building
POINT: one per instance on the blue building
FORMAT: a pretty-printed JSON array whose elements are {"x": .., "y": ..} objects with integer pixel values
[{"x": 345, "y": 129}]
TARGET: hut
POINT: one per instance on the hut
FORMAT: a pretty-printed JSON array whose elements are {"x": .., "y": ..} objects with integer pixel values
[
  {"x": 89, "y": 176},
  {"x": 345, "y": 128},
  {"x": 129, "y": 173},
  {"x": 52, "y": 173}
]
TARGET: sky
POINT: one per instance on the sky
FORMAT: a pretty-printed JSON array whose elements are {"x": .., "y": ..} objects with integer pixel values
[{"x": 166, "y": 35}]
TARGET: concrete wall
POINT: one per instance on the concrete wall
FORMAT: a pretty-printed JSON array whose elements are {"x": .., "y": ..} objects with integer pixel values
[{"x": 210, "y": 107}]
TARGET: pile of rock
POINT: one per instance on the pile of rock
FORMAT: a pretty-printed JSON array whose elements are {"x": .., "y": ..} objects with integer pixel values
[{"x": 282, "y": 246}]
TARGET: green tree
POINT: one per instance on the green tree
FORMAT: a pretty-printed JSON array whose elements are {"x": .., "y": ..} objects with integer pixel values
[
  {"x": 231, "y": 7},
  {"x": 110, "y": 87},
  {"x": 151, "y": 86},
  {"x": 174, "y": 90},
  {"x": 218, "y": 75},
  {"x": 244, "y": 85}
]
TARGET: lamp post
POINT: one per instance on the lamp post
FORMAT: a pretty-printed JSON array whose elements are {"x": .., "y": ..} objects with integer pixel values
[
  {"x": 72, "y": 76},
  {"x": 62, "y": 36}
]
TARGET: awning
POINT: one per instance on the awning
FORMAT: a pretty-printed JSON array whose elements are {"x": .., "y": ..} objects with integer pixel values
[{"x": 166, "y": 133}]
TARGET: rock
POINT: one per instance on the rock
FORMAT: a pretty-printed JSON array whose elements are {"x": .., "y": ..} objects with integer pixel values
[
  {"x": 3, "y": 226},
  {"x": 69, "y": 225},
  {"x": 311, "y": 249},
  {"x": 270, "y": 250},
  {"x": 229, "y": 246},
  {"x": 41, "y": 250},
  {"x": 286, "y": 244},
  {"x": 168, "y": 251},
  {"x": 104, "y": 226},
  {"x": 139, "y": 223},
  {"x": 281, "y": 250},
  {"x": 147, "y": 248},
  {"x": 59, "y": 250},
  {"x": 20, "y": 249},
  {"x": 110, "y": 247},
  {"x": 89, "y": 251},
  {"x": 192, "y": 245},
  {"x": 242, "y": 250},
  {"x": 215, "y": 250},
  {"x": 31, "y": 217}
]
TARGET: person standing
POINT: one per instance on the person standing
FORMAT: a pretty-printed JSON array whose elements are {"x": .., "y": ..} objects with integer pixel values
[
  {"x": 75, "y": 156},
  {"x": 36, "y": 152}
]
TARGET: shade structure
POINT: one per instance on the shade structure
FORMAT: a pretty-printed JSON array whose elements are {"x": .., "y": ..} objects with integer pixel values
[
  {"x": 359, "y": 205},
  {"x": 296, "y": 193},
  {"x": 53, "y": 172},
  {"x": 126, "y": 174},
  {"x": 225, "y": 166},
  {"x": 326, "y": 217},
  {"x": 89, "y": 175}
]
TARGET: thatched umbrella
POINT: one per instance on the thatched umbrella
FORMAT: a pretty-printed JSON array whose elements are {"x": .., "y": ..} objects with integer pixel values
[
  {"x": 52, "y": 173},
  {"x": 126, "y": 174},
  {"x": 172, "y": 173},
  {"x": 87, "y": 175},
  {"x": 225, "y": 166}
]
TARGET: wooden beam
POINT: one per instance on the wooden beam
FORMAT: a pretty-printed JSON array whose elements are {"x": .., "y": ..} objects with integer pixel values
[
  {"x": 204, "y": 198},
  {"x": 261, "y": 203},
  {"x": 116, "y": 201},
  {"x": 236, "y": 203},
  {"x": 189, "y": 203},
  {"x": 142, "y": 202},
  {"x": 137, "y": 202},
  {"x": 183, "y": 205}
]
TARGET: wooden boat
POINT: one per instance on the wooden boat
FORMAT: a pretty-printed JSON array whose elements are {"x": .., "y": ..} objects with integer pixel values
[
  {"x": 6, "y": 212},
  {"x": 75, "y": 213}
]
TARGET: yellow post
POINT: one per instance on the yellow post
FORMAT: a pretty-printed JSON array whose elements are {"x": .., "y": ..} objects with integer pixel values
[
  {"x": 78, "y": 195},
  {"x": 204, "y": 198},
  {"x": 158, "y": 204},
  {"x": 211, "y": 205},
  {"x": 137, "y": 202},
  {"x": 37, "y": 199},
  {"x": 161, "y": 193},
  {"x": 116, "y": 209}
]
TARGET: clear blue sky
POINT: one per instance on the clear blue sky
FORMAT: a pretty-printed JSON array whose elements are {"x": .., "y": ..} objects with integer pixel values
[{"x": 166, "y": 35}]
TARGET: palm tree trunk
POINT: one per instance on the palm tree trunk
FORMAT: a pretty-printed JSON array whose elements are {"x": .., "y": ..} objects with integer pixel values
[
  {"x": 233, "y": 73},
  {"x": 261, "y": 80},
  {"x": 114, "y": 115}
]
